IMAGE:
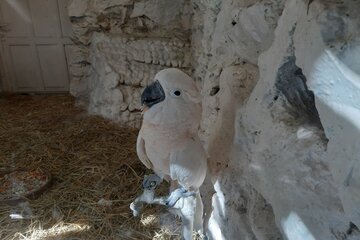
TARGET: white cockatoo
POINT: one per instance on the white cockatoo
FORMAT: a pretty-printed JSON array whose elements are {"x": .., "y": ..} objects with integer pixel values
[{"x": 168, "y": 142}]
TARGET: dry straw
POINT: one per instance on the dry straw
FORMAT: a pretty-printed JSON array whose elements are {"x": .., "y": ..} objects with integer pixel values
[{"x": 94, "y": 163}]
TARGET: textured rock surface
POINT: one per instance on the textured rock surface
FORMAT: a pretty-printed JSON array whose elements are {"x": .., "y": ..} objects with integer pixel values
[
  {"x": 121, "y": 45},
  {"x": 280, "y": 150},
  {"x": 123, "y": 66},
  {"x": 281, "y": 93}
]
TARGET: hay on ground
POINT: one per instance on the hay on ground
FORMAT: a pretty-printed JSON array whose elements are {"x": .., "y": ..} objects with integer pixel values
[{"x": 94, "y": 163}]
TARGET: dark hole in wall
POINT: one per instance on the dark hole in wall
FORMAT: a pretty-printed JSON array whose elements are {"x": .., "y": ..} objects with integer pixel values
[
  {"x": 352, "y": 228},
  {"x": 74, "y": 19},
  {"x": 300, "y": 101},
  {"x": 214, "y": 90}
]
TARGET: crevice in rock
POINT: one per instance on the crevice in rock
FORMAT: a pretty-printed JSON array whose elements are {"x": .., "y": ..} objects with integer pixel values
[
  {"x": 352, "y": 228},
  {"x": 298, "y": 99}
]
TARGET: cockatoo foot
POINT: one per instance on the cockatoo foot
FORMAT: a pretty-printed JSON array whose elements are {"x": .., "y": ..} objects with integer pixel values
[
  {"x": 177, "y": 194},
  {"x": 151, "y": 182}
]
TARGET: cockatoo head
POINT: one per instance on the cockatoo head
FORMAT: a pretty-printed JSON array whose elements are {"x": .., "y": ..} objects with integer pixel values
[{"x": 172, "y": 100}]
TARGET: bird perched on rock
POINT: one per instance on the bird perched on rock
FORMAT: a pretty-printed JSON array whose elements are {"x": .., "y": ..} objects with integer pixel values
[{"x": 168, "y": 142}]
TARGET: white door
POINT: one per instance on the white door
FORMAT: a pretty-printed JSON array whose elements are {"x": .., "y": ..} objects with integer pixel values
[{"x": 34, "y": 45}]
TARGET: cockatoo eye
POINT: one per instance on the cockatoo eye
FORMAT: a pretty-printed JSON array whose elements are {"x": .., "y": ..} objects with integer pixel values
[{"x": 176, "y": 93}]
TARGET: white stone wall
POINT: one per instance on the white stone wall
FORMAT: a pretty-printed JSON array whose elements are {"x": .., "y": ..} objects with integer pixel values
[
  {"x": 281, "y": 92},
  {"x": 123, "y": 66},
  {"x": 121, "y": 45},
  {"x": 288, "y": 159}
]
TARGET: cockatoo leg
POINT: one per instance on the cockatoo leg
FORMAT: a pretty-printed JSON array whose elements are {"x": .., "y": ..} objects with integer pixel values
[
  {"x": 149, "y": 184},
  {"x": 178, "y": 193}
]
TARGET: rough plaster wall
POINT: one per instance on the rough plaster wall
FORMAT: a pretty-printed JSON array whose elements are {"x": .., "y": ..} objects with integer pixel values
[
  {"x": 121, "y": 45},
  {"x": 228, "y": 37},
  {"x": 281, "y": 93},
  {"x": 122, "y": 67},
  {"x": 294, "y": 137}
]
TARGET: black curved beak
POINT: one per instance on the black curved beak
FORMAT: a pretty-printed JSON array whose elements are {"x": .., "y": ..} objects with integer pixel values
[{"x": 152, "y": 94}]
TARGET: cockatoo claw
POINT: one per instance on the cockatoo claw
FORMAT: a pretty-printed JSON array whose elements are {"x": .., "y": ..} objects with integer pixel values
[
  {"x": 151, "y": 182},
  {"x": 136, "y": 208},
  {"x": 177, "y": 194}
]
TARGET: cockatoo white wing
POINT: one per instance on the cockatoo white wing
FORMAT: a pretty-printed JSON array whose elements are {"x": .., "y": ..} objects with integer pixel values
[
  {"x": 141, "y": 151},
  {"x": 188, "y": 164}
]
